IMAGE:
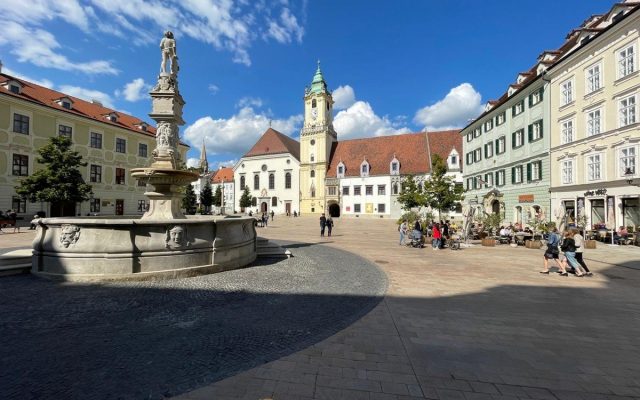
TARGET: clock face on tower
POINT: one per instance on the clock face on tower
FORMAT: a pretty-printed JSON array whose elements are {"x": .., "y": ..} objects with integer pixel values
[{"x": 314, "y": 113}]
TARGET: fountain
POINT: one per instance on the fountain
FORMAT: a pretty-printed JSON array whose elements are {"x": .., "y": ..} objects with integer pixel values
[{"x": 163, "y": 243}]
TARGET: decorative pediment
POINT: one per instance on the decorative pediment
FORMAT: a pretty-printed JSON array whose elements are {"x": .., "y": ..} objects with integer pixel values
[
  {"x": 394, "y": 166},
  {"x": 341, "y": 169},
  {"x": 365, "y": 168}
]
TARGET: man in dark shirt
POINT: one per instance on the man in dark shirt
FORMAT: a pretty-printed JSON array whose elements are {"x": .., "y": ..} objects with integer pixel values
[{"x": 323, "y": 224}]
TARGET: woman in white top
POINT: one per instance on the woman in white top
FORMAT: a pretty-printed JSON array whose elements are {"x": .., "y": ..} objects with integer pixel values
[{"x": 579, "y": 250}]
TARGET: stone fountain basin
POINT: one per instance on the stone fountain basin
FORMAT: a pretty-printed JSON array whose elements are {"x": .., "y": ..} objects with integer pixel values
[{"x": 94, "y": 249}]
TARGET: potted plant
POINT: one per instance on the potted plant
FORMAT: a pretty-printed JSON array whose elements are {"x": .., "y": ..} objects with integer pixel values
[
  {"x": 539, "y": 226},
  {"x": 581, "y": 222},
  {"x": 491, "y": 222}
]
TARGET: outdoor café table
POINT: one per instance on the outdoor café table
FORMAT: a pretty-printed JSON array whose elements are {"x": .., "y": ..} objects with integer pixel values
[{"x": 521, "y": 237}]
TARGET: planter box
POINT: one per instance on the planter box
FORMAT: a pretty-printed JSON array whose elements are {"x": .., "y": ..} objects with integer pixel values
[
  {"x": 589, "y": 244},
  {"x": 533, "y": 244},
  {"x": 488, "y": 242}
]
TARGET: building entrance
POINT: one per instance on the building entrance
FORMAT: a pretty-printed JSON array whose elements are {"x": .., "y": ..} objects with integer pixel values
[{"x": 334, "y": 210}]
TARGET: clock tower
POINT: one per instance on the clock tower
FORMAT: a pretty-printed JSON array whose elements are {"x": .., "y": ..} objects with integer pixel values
[{"x": 316, "y": 140}]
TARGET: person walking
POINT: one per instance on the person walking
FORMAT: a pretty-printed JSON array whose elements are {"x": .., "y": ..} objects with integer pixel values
[
  {"x": 579, "y": 240},
  {"x": 437, "y": 237},
  {"x": 323, "y": 224},
  {"x": 272, "y": 214},
  {"x": 403, "y": 231},
  {"x": 553, "y": 253},
  {"x": 329, "y": 225},
  {"x": 568, "y": 247}
]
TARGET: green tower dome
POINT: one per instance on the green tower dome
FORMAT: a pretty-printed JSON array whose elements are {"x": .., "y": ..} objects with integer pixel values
[{"x": 318, "y": 85}]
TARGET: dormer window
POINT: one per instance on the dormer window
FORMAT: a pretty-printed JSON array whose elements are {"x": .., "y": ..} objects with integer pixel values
[
  {"x": 65, "y": 102},
  {"x": 113, "y": 117},
  {"x": 341, "y": 169},
  {"x": 13, "y": 86},
  {"x": 14, "y": 89},
  {"x": 454, "y": 160},
  {"x": 364, "y": 168},
  {"x": 394, "y": 166},
  {"x": 142, "y": 126}
]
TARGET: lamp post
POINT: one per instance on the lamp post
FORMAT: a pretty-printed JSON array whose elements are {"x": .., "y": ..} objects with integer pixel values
[{"x": 629, "y": 173}]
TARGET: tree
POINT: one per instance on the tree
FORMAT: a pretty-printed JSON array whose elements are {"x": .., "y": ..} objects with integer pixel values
[
  {"x": 245, "y": 200},
  {"x": 60, "y": 180},
  {"x": 440, "y": 191},
  {"x": 217, "y": 197},
  {"x": 189, "y": 200},
  {"x": 206, "y": 196},
  {"x": 411, "y": 195}
]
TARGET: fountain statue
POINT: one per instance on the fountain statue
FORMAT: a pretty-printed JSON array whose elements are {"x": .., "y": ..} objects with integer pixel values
[{"x": 163, "y": 243}]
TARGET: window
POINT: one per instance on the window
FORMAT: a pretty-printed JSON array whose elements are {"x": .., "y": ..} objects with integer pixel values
[
  {"x": 364, "y": 169},
  {"x": 142, "y": 206},
  {"x": 500, "y": 177},
  {"x": 535, "y": 97},
  {"x": 488, "y": 125},
  {"x": 96, "y": 140},
  {"x": 274, "y": 201},
  {"x": 381, "y": 208},
  {"x": 121, "y": 145},
  {"x": 517, "y": 108},
  {"x": 593, "y": 123},
  {"x": 19, "y": 204},
  {"x": 313, "y": 173},
  {"x": 95, "y": 174},
  {"x": 368, "y": 190},
  {"x": 313, "y": 103},
  {"x": 477, "y": 182},
  {"x": 488, "y": 180},
  {"x": 535, "y": 131},
  {"x": 142, "y": 150},
  {"x": 501, "y": 118},
  {"x": 356, "y": 190},
  {"x": 242, "y": 182},
  {"x": 593, "y": 77},
  {"x": 477, "y": 155},
  {"x": 469, "y": 157},
  {"x": 272, "y": 181},
  {"x": 14, "y": 89},
  {"x": 256, "y": 182},
  {"x": 469, "y": 136},
  {"x": 488, "y": 150},
  {"x": 382, "y": 189},
  {"x": 469, "y": 183},
  {"x": 567, "y": 172},
  {"x": 477, "y": 132},
  {"x": 627, "y": 111},
  {"x": 628, "y": 161},
  {"x": 626, "y": 61},
  {"x": 566, "y": 92},
  {"x": 64, "y": 130},
  {"x": 516, "y": 174},
  {"x": 312, "y": 158},
  {"x": 21, "y": 124},
  {"x": 454, "y": 160},
  {"x": 594, "y": 167},
  {"x": 340, "y": 170},
  {"x": 517, "y": 138},
  {"x": 287, "y": 180},
  {"x": 394, "y": 188},
  {"x": 20, "y": 165},
  {"x": 356, "y": 208},
  {"x": 119, "y": 176},
  {"x": 566, "y": 131},
  {"x": 94, "y": 205},
  {"x": 534, "y": 171},
  {"x": 331, "y": 190},
  {"x": 501, "y": 145},
  {"x": 345, "y": 190},
  {"x": 394, "y": 168}
]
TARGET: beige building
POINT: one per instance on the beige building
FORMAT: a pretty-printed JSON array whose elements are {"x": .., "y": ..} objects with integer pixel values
[
  {"x": 111, "y": 142},
  {"x": 595, "y": 121}
]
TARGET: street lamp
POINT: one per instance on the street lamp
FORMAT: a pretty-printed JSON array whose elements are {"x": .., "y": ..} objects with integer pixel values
[{"x": 629, "y": 173}]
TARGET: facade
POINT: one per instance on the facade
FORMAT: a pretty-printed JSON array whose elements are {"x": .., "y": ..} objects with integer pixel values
[
  {"x": 223, "y": 178},
  {"x": 271, "y": 170},
  {"x": 506, "y": 152},
  {"x": 595, "y": 122},
  {"x": 112, "y": 143}
]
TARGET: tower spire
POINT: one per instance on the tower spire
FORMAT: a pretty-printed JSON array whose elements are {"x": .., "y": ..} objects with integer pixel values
[
  {"x": 318, "y": 83},
  {"x": 204, "y": 164}
]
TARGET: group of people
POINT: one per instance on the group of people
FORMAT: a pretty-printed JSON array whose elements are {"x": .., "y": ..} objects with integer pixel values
[
  {"x": 439, "y": 231},
  {"x": 9, "y": 215},
  {"x": 326, "y": 223},
  {"x": 572, "y": 246}
]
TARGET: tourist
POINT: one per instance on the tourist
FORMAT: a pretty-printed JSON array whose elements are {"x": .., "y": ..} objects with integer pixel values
[
  {"x": 329, "y": 225},
  {"x": 272, "y": 214},
  {"x": 295, "y": 214},
  {"x": 437, "y": 237},
  {"x": 579, "y": 240},
  {"x": 323, "y": 224},
  {"x": 552, "y": 252},
  {"x": 621, "y": 235},
  {"x": 568, "y": 247},
  {"x": 403, "y": 231}
]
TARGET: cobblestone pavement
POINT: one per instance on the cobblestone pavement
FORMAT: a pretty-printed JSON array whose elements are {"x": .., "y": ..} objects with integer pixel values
[
  {"x": 476, "y": 324},
  {"x": 150, "y": 340}
]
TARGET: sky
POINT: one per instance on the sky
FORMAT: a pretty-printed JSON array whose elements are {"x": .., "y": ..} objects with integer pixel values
[{"x": 393, "y": 66}]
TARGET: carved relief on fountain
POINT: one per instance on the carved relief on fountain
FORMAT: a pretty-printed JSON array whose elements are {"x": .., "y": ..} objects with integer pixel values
[
  {"x": 69, "y": 234},
  {"x": 176, "y": 237}
]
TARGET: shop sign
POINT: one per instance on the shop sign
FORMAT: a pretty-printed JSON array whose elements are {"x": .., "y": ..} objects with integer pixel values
[
  {"x": 525, "y": 198},
  {"x": 597, "y": 192}
]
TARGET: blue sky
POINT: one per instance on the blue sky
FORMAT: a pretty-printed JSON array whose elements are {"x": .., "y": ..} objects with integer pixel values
[{"x": 395, "y": 66}]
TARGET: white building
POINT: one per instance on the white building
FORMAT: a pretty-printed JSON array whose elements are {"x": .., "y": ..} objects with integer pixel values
[{"x": 223, "y": 178}]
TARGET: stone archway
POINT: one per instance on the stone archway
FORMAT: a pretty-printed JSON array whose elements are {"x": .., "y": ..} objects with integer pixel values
[
  {"x": 334, "y": 210},
  {"x": 264, "y": 206},
  {"x": 495, "y": 206}
]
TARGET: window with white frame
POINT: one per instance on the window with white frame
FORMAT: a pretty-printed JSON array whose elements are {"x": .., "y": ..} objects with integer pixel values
[
  {"x": 477, "y": 155},
  {"x": 535, "y": 97},
  {"x": 566, "y": 131},
  {"x": 593, "y": 78},
  {"x": 566, "y": 90},
  {"x": 469, "y": 183},
  {"x": 501, "y": 143},
  {"x": 477, "y": 132},
  {"x": 501, "y": 118},
  {"x": 500, "y": 177},
  {"x": 626, "y": 61},
  {"x": 534, "y": 171},
  {"x": 364, "y": 169},
  {"x": 627, "y": 111},
  {"x": 593, "y": 122},
  {"x": 488, "y": 180},
  {"x": 627, "y": 161},
  {"x": 488, "y": 150},
  {"x": 488, "y": 125},
  {"x": 516, "y": 174},
  {"x": 567, "y": 171},
  {"x": 535, "y": 131},
  {"x": 469, "y": 136},
  {"x": 517, "y": 138},
  {"x": 594, "y": 167},
  {"x": 517, "y": 108}
]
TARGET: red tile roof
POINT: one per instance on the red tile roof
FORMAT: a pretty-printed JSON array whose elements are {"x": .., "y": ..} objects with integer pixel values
[
  {"x": 412, "y": 150},
  {"x": 46, "y": 97},
  {"x": 224, "y": 174},
  {"x": 274, "y": 142}
]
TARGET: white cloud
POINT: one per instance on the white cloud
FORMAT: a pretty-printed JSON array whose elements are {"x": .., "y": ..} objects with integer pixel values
[
  {"x": 360, "y": 120},
  {"x": 344, "y": 97},
  {"x": 135, "y": 90},
  {"x": 88, "y": 94},
  {"x": 193, "y": 162},
  {"x": 25, "y": 12},
  {"x": 287, "y": 29},
  {"x": 461, "y": 104},
  {"x": 254, "y": 102},
  {"x": 42, "y": 82},
  {"x": 213, "y": 88},
  {"x": 238, "y": 133}
]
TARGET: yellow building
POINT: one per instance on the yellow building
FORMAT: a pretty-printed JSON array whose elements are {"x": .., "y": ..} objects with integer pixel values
[
  {"x": 595, "y": 121},
  {"x": 111, "y": 142}
]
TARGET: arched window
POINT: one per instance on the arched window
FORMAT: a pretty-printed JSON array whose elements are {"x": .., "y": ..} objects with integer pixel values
[
  {"x": 242, "y": 182},
  {"x": 313, "y": 103},
  {"x": 313, "y": 173},
  {"x": 272, "y": 181},
  {"x": 395, "y": 188},
  {"x": 274, "y": 201},
  {"x": 313, "y": 191},
  {"x": 287, "y": 180},
  {"x": 256, "y": 182},
  {"x": 312, "y": 158}
]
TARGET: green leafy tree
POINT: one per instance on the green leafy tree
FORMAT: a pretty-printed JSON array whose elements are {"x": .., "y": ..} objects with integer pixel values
[
  {"x": 411, "y": 195},
  {"x": 189, "y": 200},
  {"x": 245, "y": 200},
  {"x": 217, "y": 196},
  {"x": 440, "y": 191},
  {"x": 206, "y": 196},
  {"x": 60, "y": 180}
]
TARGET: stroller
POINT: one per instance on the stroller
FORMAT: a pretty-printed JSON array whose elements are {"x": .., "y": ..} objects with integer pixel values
[{"x": 415, "y": 239}]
